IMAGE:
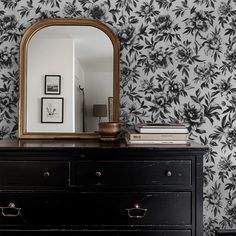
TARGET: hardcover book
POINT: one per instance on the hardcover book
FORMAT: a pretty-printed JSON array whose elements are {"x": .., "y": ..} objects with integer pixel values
[
  {"x": 178, "y": 142},
  {"x": 134, "y": 135},
  {"x": 161, "y": 128}
]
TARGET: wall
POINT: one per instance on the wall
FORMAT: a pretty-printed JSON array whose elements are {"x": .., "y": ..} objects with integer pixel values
[
  {"x": 177, "y": 63},
  {"x": 48, "y": 63},
  {"x": 79, "y": 95},
  {"x": 94, "y": 83}
]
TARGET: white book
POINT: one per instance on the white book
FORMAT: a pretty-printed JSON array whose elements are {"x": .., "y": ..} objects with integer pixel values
[
  {"x": 161, "y": 128},
  {"x": 134, "y": 135},
  {"x": 185, "y": 142}
]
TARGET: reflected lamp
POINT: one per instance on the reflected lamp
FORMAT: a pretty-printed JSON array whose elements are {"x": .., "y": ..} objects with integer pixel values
[{"x": 100, "y": 110}]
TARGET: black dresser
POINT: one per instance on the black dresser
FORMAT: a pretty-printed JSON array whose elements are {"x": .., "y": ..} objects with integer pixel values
[{"x": 70, "y": 187}]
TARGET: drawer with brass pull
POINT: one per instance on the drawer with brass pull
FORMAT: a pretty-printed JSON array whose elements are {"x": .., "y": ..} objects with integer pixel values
[
  {"x": 29, "y": 208},
  {"x": 33, "y": 174},
  {"x": 130, "y": 208},
  {"x": 114, "y": 173}
]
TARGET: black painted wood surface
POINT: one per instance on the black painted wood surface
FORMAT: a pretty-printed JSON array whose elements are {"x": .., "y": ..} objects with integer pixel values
[{"x": 79, "y": 187}]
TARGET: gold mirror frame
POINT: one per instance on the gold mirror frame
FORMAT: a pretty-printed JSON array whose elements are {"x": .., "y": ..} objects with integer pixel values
[{"x": 22, "y": 132}]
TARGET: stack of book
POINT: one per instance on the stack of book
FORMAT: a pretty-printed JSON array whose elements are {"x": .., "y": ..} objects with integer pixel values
[{"x": 158, "y": 134}]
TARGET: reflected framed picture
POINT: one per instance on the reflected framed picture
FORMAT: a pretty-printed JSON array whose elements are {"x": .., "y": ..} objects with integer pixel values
[
  {"x": 52, "y": 84},
  {"x": 52, "y": 110},
  {"x": 110, "y": 109}
]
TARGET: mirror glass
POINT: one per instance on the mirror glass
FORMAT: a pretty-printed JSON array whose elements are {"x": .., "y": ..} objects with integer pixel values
[{"x": 69, "y": 79}]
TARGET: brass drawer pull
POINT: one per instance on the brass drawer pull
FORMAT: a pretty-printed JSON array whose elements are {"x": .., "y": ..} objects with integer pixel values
[
  {"x": 11, "y": 207},
  {"x": 98, "y": 173},
  {"x": 136, "y": 212},
  {"x": 168, "y": 173},
  {"x": 46, "y": 174}
]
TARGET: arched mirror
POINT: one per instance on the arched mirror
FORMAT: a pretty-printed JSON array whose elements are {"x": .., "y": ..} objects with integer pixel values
[{"x": 69, "y": 79}]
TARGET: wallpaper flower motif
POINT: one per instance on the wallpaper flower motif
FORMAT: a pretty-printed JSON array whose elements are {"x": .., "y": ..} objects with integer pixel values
[{"x": 178, "y": 63}]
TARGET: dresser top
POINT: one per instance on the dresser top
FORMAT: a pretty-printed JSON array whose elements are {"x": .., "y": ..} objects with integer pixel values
[{"x": 72, "y": 145}]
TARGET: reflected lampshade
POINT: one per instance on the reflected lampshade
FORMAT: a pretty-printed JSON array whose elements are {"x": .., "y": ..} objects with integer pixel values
[{"x": 100, "y": 110}]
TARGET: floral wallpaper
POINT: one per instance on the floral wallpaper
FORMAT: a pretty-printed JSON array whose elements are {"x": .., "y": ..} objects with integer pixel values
[{"x": 178, "y": 63}]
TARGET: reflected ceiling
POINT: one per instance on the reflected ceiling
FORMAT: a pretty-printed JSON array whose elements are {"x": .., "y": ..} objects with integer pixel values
[{"x": 91, "y": 56}]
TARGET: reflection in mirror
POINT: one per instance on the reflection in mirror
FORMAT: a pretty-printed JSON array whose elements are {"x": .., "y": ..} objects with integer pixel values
[
  {"x": 83, "y": 57},
  {"x": 67, "y": 67}
]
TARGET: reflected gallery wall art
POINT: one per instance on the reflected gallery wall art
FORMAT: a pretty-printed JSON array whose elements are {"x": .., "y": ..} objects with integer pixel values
[
  {"x": 52, "y": 84},
  {"x": 52, "y": 110}
]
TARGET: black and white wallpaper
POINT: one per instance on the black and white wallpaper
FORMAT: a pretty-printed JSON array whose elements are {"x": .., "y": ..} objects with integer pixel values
[{"x": 178, "y": 63}]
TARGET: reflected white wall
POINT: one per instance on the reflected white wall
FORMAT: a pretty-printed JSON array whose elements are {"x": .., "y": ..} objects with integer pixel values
[
  {"x": 48, "y": 57},
  {"x": 99, "y": 86},
  {"x": 79, "y": 96}
]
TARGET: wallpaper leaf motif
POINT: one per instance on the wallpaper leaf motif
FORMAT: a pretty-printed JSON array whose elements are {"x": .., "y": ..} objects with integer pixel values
[{"x": 178, "y": 63}]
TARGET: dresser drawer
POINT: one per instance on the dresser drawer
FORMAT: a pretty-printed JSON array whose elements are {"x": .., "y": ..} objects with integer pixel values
[
  {"x": 162, "y": 208},
  {"x": 30, "y": 208},
  {"x": 34, "y": 173},
  {"x": 113, "y": 173}
]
